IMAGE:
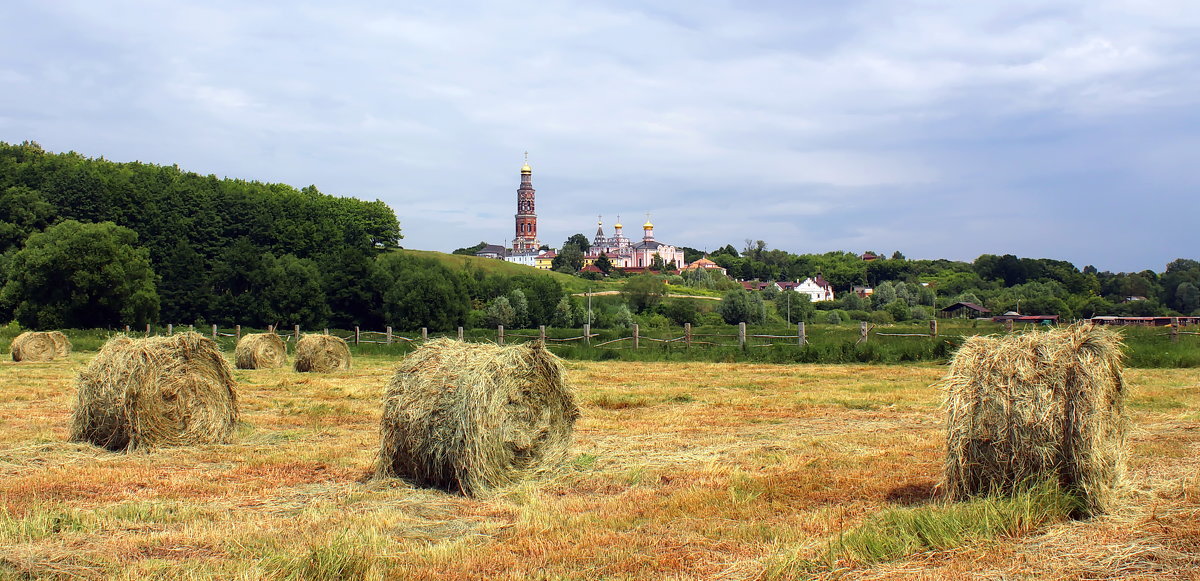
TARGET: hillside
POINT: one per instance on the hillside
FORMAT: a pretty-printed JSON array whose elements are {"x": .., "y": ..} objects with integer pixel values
[{"x": 492, "y": 266}]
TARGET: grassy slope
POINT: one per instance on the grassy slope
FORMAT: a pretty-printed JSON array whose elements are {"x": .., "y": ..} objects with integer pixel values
[
  {"x": 697, "y": 471},
  {"x": 490, "y": 265},
  {"x": 569, "y": 283}
]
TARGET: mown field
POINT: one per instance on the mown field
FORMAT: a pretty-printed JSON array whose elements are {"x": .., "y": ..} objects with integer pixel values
[{"x": 680, "y": 470}]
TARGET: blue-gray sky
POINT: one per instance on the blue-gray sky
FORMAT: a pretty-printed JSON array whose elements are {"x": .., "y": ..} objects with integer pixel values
[{"x": 1056, "y": 129}]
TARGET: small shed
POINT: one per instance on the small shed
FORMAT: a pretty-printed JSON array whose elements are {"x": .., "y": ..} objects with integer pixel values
[{"x": 964, "y": 311}]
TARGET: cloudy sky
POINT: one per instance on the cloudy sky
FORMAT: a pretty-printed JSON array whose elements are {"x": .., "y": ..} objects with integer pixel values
[{"x": 1054, "y": 129}]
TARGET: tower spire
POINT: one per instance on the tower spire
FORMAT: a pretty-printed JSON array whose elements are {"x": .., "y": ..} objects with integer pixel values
[{"x": 526, "y": 217}]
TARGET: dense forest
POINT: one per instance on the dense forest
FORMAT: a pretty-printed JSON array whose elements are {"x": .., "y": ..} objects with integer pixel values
[{"x": 92, "y": 243}]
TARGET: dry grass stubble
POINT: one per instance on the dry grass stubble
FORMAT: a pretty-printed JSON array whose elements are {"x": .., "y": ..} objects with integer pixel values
[{"x": 695, "y": 471}]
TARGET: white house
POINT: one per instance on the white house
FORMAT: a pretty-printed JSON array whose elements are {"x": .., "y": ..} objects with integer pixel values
[
  {"x": 526, "y": 258},
  {"x": 818, "y": 289}
]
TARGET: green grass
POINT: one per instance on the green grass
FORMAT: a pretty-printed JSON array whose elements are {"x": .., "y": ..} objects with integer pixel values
[
  {"x": 898, "y": 533},
  {"x": 458, "y": 262},
  {"x": 1145, "y": 347}
]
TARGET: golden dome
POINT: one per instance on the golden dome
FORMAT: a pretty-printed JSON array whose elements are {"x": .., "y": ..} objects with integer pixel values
[
  {"x": 526, "y": 169},
  {"x": 618, "y": 225},
  {"x": 647, "y": 225}
]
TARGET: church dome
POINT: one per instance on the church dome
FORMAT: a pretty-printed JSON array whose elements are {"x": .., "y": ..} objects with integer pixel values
[
  {"x": 526, "y": 169},
  {"x": 647, "y": 225}
]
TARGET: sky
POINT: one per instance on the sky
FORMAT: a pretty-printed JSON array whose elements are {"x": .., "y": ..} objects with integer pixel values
[{"x": 1045, "y": 129}]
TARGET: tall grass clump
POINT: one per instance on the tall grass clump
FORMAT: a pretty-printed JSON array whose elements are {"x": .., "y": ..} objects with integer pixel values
[{"x": 897, "y": 533}]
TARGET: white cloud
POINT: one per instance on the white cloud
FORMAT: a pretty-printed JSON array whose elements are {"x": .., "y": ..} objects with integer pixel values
[{"x": 819, "y": 112}]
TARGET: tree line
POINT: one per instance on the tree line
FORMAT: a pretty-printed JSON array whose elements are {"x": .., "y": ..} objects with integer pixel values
[
  {"x": 90, "y": 243},
  {"x": 93, "y": 243}
]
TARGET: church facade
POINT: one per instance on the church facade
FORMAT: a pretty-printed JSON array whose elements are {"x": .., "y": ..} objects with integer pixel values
[{"x": 625, "y": 253}]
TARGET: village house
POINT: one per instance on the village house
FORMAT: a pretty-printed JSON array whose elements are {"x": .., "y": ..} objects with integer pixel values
[
  {"x": 705, "y": 264},
  {"x": 818, "y": 289}
]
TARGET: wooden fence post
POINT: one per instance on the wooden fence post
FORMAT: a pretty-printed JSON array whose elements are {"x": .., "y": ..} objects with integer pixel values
[
  {"x": 356, "y": 335},
  {"x": 271, "y": 329},
  {"x": 296, "y": 332},
  {"x": 147, "y": 329},
  {"x": 587, "y": 334},
  {"x": 170, "y": 329},
  {"x": 460, "y": 333},
  {"x": 424, "y": 333},
  {"x": 542, "y": 334},
  {"x": 237, "y": 332},
  {"x": 862, "y": 332},
  {"x": 326, "y": 331},
  {"x": 933, "y": 327},
  {"x": 742, "y": 335},
  {"x": 801, "y": 334},
  {"x": 1008, "y": 325},
  {"x": 687, "y": 335},
  {"x": 389, "y": 335},
  {"x": 1174, "y": 330},
  {"x": 500, "y": 334},
  {"x": 126, "y": 329},
  {"x": 635, "y": 335}
]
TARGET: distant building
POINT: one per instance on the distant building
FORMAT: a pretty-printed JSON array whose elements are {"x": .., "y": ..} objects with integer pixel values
[
  {"x": 755, "y": 285},
  {"x": 625, "y": 254},
  {"x": 963, "y": 311},
  {"x": 545, "y": 260},
  {"x": 525, "y": 245},
  {"x": 867, "y": 256},
  {"x": 528, "y": 258},
  {"x": 1145, "y": 321},
  {"x": 818, "y": 289},
  {"x": 526, "y": 218},
  {"x": 492, "y": 251},
  {"x": 705, "y": 264},
  {"x": 862, "y": 291},
  {"x": 1019, "y": 318}
]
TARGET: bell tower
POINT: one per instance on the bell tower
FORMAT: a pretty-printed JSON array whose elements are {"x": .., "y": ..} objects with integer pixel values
[{"x": 526, "y": 218}]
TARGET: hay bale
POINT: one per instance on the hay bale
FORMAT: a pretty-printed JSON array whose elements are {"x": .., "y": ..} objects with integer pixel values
[
  {"x": 40, "y": 346},
  {"x": 61, "y": 343},
  {"x": 155, "y": 392},
  {"x": 260, "y": 351},
  {"x": 472, "y": 417},
  {"x": 322, "y": 354},
  {"x": 1036, "y": 406}
]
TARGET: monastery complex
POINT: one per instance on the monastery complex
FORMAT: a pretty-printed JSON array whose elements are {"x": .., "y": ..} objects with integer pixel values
[{"x": 621, "y": 251}]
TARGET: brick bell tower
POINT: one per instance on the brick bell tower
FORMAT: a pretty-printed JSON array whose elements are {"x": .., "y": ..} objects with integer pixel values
[{"x": 525, "y": 239}]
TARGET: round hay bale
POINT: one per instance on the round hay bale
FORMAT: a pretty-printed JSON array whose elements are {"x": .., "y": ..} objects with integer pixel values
[
  {"x": 1038, "y": 406},
  {"x": 473, "y": 417},
  {"x": 322, "y": 354},
  {"x": 155, "y": 392},
  {"x": 61, "y": 343},
  {"x": 260, "y": 351},
  {"x": 40, "y": 346}
]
